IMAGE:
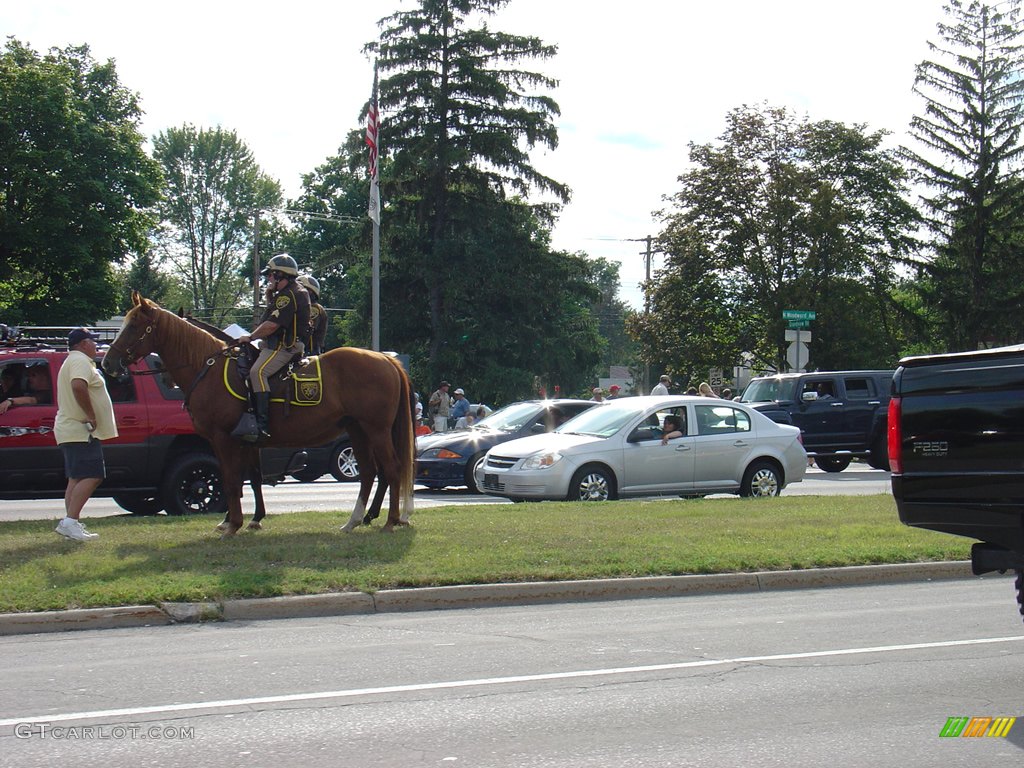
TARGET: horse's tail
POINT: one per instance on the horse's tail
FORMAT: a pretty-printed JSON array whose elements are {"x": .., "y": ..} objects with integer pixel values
[{"x": 403, "y": 437}]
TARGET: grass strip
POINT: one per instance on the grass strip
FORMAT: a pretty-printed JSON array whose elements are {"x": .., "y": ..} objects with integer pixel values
[{"x": 138, "y": 561}]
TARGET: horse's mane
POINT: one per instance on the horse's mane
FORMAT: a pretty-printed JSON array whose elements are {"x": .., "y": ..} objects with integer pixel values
[{"x": 182, "y": 339}]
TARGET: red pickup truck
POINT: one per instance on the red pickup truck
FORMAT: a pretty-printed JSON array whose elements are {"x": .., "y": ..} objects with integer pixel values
[{"x": 157, "y": 462}]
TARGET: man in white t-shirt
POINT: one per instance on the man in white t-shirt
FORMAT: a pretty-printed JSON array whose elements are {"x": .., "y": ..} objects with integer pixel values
[
  {"x": 661, "y": 388},
  {"x": 85, "y": 417}
]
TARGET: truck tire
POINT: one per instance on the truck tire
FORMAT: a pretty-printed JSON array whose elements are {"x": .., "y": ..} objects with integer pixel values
[
  {"x": 879, "y": 458},
  {"x": 192, "y": 486},
  {"x": 139, "y": 503},
  {"x": 832, "y": 463}
]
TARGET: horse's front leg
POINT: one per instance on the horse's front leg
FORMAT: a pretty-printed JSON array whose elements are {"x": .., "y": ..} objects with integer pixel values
[
  {"x": 252, "y": 462},
  {"x": 231, "y": 482}
]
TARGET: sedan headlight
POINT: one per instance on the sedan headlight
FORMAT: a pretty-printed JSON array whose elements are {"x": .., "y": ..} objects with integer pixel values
[
  {"x": 440, "y": 453},
  {"x": 542, "y": 460}
]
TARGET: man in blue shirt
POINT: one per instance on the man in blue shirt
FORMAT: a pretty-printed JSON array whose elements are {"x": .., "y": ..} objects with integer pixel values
[{"x": 460, "y": 408}]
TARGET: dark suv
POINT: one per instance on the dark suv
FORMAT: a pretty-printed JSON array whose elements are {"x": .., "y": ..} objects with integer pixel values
[
  {"x": 156, "y": 462},
  {"x": 842, "y": 414}
]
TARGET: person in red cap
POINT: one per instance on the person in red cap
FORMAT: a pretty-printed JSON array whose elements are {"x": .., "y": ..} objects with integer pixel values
[{"x": 614, "y": 392}]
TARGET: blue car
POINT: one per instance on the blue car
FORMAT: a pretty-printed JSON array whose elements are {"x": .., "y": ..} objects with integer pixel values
[{"x": 449, "y": 458}]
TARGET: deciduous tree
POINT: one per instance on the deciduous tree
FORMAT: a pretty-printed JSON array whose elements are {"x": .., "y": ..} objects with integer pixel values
[{"x": 76, "y": 187}]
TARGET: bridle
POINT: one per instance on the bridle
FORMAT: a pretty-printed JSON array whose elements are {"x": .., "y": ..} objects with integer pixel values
[{"x": 128, "y": 355}]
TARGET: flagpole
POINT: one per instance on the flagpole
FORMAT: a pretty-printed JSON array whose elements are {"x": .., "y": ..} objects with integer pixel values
[{"x": 372, "y": 125}]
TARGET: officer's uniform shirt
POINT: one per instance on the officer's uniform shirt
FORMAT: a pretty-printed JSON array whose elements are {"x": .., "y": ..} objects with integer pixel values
[{"x": 289, "y": 308}]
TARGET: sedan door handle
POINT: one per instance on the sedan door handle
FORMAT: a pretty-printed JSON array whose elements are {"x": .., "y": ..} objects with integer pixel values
[
  {"x": 682, "y": 447},
  {"x": 133, "y": 420},
  {"x": 740, "y": 444},
  {"x": 836, "y": 405}
]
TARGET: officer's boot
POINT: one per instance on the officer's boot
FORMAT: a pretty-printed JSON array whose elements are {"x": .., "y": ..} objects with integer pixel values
[{"x": 262, "y": 400}]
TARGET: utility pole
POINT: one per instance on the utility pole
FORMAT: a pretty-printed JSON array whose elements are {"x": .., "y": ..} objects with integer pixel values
[
  {"x": 256, "y": 270},
  {"x": 647, "y": 307}
]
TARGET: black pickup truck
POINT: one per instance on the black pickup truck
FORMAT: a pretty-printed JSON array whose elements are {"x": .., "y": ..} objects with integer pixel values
[
  {"x": 841, "y": 414},
  {"x": 956, "y": 451}
]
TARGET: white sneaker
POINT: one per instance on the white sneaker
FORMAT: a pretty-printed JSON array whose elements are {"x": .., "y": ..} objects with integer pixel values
[{"x": 73, "y": 529}]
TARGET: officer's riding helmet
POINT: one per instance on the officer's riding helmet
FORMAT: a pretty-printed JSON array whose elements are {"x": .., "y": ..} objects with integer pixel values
[
  {"x": 282, "y": 263},
  {"x": 311, "y": 284}
]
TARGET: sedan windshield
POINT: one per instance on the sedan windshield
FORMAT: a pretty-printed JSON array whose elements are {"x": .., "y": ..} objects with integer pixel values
[
  {"x": 603, "y": 421},
  {"x": 769, "y": 389},
  {"x": 511, "y": 418}
]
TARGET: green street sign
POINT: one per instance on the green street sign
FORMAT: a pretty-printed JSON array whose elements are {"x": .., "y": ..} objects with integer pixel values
[
  {"x": 796, "y": 324},
  {"x": 798, "y": 314}
]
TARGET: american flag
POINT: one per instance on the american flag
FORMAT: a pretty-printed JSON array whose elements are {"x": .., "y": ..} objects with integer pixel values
[{"x": 372, "y": 123}]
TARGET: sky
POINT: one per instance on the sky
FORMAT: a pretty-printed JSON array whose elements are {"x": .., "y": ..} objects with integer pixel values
[{"x": 638, "y": 82}]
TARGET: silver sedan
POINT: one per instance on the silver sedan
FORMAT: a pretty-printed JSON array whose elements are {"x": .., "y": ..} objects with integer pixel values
[{"x": 621, "y": 450}]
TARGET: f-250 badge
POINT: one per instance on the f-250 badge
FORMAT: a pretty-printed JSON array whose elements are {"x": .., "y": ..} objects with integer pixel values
[{"x": 931, "y": 448}]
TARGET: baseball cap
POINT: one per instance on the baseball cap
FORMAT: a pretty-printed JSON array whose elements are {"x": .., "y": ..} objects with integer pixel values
[
  {"x": 460, "y": 391},
  {"x": 614, "y": 388},
  {"x": 443, "y": 384},
  {"x": 596, "y": 390},
  {"x": 79, "y": 335}
]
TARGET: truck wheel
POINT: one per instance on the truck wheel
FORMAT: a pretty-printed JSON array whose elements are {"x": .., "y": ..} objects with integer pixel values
[
  {"x": 879, "y": 458},
  {"x": 592, "y": 484},
  {"x": 139, "y": 503},
  {"x": 192, "y": 486},
  {"x": 832, "y": 463},
  {"x": 344, "y": 466},
  {"x": 761, "y": 479}
]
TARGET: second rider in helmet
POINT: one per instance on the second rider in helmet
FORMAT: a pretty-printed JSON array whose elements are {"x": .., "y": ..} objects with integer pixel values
[
  {"x": 283, "y": 325},
  {"x": 314, "y": 339}
]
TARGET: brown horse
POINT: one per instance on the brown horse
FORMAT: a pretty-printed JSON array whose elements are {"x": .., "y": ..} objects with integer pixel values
[
  {"x": 251, "y": 456},
  {"x": 366, "y": 391}
]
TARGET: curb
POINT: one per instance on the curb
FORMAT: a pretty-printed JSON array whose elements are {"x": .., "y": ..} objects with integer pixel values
[{"x": 473, "y": 596}]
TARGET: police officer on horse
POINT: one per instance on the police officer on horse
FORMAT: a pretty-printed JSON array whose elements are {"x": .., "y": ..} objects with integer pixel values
[
  {"x": 314, "y": 339},
  {"x": 285, "y": 321}
]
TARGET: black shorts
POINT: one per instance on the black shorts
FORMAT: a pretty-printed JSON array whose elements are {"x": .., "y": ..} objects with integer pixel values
[{"x": 84, "y": 460}]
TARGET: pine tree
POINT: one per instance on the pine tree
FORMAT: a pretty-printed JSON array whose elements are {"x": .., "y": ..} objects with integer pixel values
[
  {"x": 969, "y": 159},
  {"x": 459, "y": 119}
]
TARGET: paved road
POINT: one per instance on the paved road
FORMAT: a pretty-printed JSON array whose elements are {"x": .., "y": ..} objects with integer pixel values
[
  {"x": 845, "y": 677},
  {"x": 328, "y": 495}
]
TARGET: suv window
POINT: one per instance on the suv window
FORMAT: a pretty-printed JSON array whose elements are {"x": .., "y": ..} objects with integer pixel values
[
  {"x": 859, "y": 388},
  {"x": 824, "y": 388},
  {"x": 164, "y": 382},
  {"x": 121, "y": 389}
]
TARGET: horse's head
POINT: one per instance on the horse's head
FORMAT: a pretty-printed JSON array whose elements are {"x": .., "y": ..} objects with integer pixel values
[{"x": 135, "y": 339}]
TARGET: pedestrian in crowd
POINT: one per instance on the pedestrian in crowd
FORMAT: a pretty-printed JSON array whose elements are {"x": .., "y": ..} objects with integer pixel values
[
  {"x": 661, "y": 388},
  {"x": 440, "y": 407},
  {"x": 614, "y": 392},
  {"x": 706, "y": 390},
  {"x": 460, "y": 410},
  {"x": 284, "y": 323},
  {"x": 671, "y": 428},
  {"x": 727, "y": 394},
  {"x": 317, "y": 335},
  {"x": 85, "y": 417},
  {"x": 598, "y": 395},
  {"x": 692, "y": 391}
]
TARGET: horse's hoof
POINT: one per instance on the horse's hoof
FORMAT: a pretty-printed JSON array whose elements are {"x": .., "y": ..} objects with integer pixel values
[
  {"x": 229, "y": 532},
  {"x": 254, "y": 526},
  {"x": 389, "y": 528},
  {"x": 222, "y": 527},
  {"x": 347, "y": 528}
]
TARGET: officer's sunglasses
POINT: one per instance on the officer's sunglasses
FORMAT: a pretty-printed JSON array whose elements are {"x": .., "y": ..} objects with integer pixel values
[{"x": 275, "y": 276}]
